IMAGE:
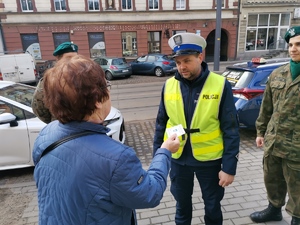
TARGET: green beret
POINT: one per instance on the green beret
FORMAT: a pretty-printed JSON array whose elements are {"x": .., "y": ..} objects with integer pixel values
[
  {"x": 292, "y": 32},
  {"x": 64, "y": 48}
]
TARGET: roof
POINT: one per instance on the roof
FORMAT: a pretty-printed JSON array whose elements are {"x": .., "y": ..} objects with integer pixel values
[{"x": 250, "y": 66}]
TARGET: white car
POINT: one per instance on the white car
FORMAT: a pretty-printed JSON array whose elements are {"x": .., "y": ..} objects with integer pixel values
[{"x": 19, "y": 127}]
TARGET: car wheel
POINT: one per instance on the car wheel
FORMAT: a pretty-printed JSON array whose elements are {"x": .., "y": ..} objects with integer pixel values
[
  {"x": 159, "y": 72},
  {"x": 109, "y": 75}
]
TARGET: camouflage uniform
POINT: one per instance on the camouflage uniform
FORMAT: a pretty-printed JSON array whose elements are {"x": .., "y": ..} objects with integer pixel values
[
  {"x": 38, "y": 105},
  {"x": 279, "y": 123}
]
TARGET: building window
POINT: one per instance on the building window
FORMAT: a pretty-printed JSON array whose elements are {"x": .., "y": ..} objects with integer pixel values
[
  {"x": 31, "y": 45},
  {"x": 97, "y": 44},
  {"x": 129, "y": 44},
  {"x": 60, "y": 38},
  {"x": 180, "y": 4},
  {"x": 93, "y": 5},
  {"x": 126, "y": 4},
  {"x": 154, "y": 42},
  {"x": 266, "y": 31},
  {"x": 26, "y": 5},
  {"x": 223, "y": 4},
  {"x": 153, "y": 4},
  {"x": 178, "y": 31},
  {"x": 60, "y": 5}
]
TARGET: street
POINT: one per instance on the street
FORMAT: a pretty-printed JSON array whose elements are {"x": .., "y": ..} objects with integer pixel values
[{"x": 138, "y": 101}]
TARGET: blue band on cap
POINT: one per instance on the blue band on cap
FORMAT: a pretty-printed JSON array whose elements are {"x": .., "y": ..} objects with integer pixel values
[{"x": 187, "y": 46}]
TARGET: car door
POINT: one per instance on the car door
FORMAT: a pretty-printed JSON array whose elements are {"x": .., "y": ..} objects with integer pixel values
[
  {"x": 15, "y": 147},
  {"x": 150, "y": 64},
  {"x": 9, "y": 68},
  {"x": 104, "y": 64},
  {"x": 138, "y": 65}
]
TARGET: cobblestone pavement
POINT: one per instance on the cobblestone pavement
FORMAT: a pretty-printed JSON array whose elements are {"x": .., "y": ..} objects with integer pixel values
[{"x": 19, "y": 202}]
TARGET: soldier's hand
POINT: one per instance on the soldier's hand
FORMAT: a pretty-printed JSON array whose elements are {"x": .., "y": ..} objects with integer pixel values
[
  {"x": 172, "y": 143},
  {"x": 259, "y": 141}
]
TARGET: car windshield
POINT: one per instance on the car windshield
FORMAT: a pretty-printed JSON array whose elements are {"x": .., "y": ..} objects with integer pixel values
[
  {"x": 19, "y": 93},
  {"x": 119, "y": 61},
  {"x": 238, "y": 78},
  {"x": 166, "y": 57}
]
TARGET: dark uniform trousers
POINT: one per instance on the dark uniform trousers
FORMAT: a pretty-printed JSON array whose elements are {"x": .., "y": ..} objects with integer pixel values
[
  {"x": 182, "y": 184},
  {"x": 281, "y": 177}
]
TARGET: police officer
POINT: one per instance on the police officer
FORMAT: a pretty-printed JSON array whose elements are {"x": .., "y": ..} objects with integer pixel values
[
  {"x": 66, "y": 49},
  {"x": 278, "y": 131},
  {"x": 202, "y": 102}
]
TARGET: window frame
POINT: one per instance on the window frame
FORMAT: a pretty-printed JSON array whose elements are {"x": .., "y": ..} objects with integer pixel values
[
  {"x": 126, "y": 8},
  {"x": 225, "y": 4},
  {"x": 93, "y": 2},
  {"x": 19, "y": 6},
  {"x": 55, "y": 40},
  {"x": 153, "y": 9},
  {"x": 154, "y": 45},
  {"x": 180, "y": 1},
  {"x": 129, "y": 43},
  {"x": 97, "y": 44},
  {"x": 27, "y": 5},
  {"x": 53, "y": 8},
  {"x": 265, "y": 34}
]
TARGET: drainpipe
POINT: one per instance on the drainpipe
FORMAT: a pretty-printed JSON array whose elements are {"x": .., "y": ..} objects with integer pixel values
[
  {"x": 2, "y": 37},
  {"x": 238, "y": 28}
]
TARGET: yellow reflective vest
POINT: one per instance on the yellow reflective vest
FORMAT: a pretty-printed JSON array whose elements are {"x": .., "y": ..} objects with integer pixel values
[{"x": 205, "y": 133}]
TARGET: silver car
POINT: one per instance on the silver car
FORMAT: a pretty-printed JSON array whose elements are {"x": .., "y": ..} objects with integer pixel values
[
  {"x": 114, "y": 67},
  {"x": 19, "y": 127}
]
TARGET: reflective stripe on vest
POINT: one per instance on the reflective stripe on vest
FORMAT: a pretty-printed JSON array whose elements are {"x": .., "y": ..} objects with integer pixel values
[{"x": 205, "y": 134}]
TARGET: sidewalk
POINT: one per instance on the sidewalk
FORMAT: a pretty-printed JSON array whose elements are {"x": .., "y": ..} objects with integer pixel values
[{"x": 246, "y": 195}]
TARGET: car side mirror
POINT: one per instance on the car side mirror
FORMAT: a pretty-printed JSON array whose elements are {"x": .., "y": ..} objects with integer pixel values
[{"x": 8, "y": 118}]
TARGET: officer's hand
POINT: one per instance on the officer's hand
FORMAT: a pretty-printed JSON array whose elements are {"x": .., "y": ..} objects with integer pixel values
[
  {"x": 172, "y": 143},
  {"x": 225, "y": 179},
  {"x": 259, "y": 141}
]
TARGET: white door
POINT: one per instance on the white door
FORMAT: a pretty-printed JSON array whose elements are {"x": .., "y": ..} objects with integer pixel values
[
  {"x": 14, "y": 139},
  {"x": 26, "y": 68},
  {"x": 9, "y": 68}
]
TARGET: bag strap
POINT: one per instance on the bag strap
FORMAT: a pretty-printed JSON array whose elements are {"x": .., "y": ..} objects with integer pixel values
[{"x": 64, "y": 140}]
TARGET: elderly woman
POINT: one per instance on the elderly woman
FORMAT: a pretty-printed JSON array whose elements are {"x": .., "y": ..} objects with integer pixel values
[{"x": 91, "y": 179}]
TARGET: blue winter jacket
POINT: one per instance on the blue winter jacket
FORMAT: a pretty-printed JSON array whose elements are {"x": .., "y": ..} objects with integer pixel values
[
  {"x": 227, "y": 116},
  {"x": 93, "y": 179}
]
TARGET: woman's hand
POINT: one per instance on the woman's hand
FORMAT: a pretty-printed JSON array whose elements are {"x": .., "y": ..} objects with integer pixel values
[{"x": 172, "y": 143}]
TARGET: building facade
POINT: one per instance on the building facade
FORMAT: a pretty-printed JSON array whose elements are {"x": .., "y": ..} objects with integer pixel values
[
  {"x": 128, "y": 28},
  {"x": 263, "y": 24}
]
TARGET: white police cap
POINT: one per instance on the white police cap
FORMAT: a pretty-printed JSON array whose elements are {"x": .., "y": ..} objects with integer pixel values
[{"x": 186, "y": 44}]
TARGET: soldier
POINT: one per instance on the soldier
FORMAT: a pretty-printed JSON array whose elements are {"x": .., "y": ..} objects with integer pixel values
[
  {"x": 278, "y": 131},
  {"x": 66, "y": 49}
]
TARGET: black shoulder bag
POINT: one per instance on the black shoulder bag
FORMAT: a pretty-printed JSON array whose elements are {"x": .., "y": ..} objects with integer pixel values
[{"x": 64, "y": 140}]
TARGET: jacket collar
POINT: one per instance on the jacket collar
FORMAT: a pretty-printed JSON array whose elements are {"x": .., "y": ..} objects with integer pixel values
[{"x": 81, "y": 126}]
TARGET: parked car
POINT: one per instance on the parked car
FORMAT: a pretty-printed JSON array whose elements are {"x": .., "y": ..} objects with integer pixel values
[
  {"x": 153, "y": 64},
  {"x": 248, "y": 81},
  {"x": 114, "y": 67},
  {"x": 19, "y": 127}
]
